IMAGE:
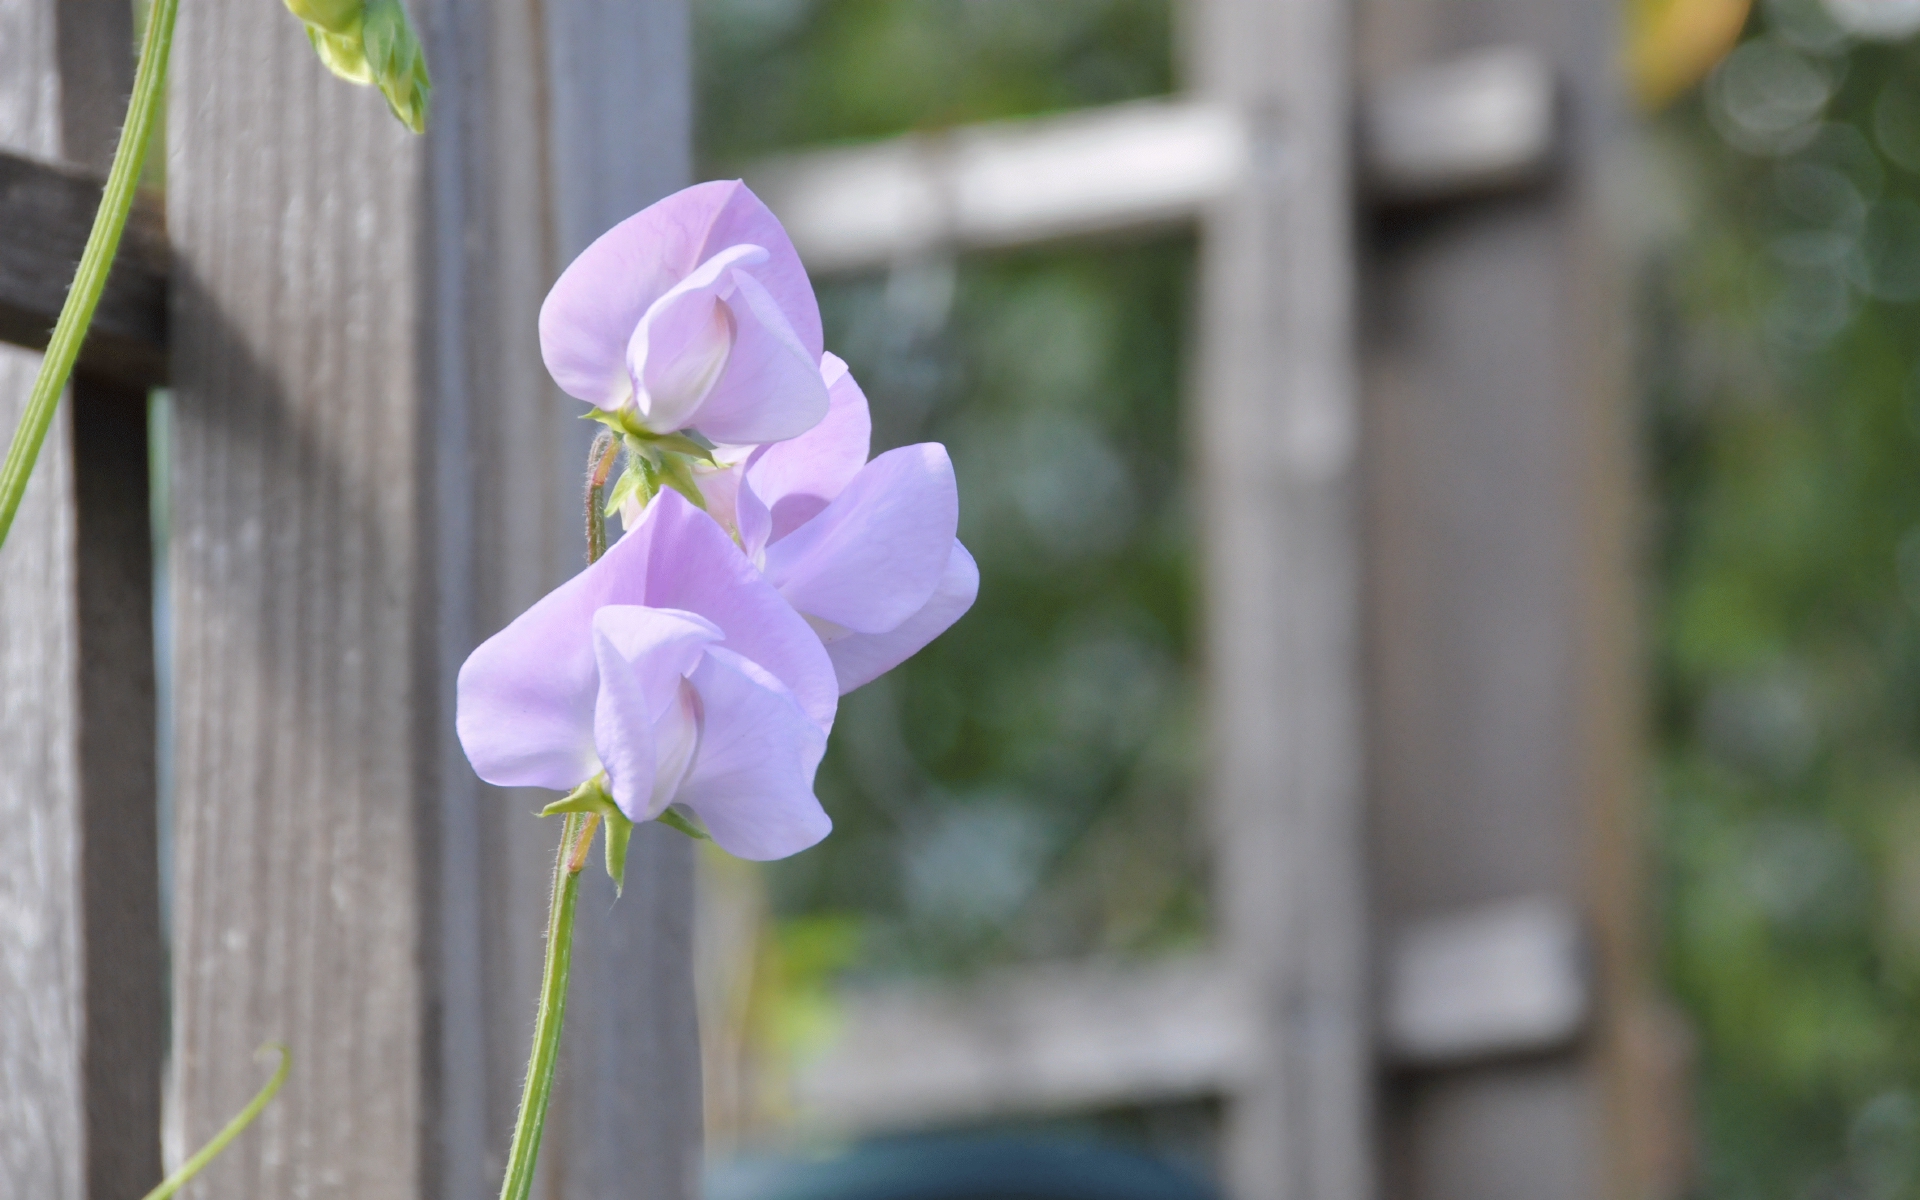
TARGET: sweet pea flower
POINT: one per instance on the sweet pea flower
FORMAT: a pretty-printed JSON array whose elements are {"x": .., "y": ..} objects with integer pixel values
[
  {"x": 675, "y": 668},
  {"x": 864, "y": 550},
  {"x": 693, "y": 314}
]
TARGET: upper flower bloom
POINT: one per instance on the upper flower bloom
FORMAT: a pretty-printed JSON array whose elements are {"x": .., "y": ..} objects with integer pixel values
[
  {"x": 694, "y": 313},
  {"x": 865, "y": 550},
  {"x": 673, "y": 666}
]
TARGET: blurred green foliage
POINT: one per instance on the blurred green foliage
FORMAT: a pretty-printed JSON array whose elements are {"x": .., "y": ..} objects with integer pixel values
[
  {"x": 1021, "y": 788},
  {"x": 1782, "y": 337},
  {"x": 779, "y": 74}
]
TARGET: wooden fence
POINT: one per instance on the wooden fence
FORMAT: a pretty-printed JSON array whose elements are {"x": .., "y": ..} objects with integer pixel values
[
  {"x": 370, "y": 472},
  {"x": 1409, "y": 397}
]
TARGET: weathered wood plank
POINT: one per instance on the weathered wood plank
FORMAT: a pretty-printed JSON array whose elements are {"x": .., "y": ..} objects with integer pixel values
[
  {"x": 80, "y": 1040},
  {"x": 1472, "y": 987},
  {"x": 1502, "y": 692},
  {"x": 46, "y": 211},
  {"x": 297, "y": 587},
  {"x": 42, "y": 1094},
  {"x": 1464, "y": 127},
  {"x": 124, "y": 957},
  {"x": 373, "y": 473},
  {"x": 1277, "y": 425},
  {"x": 621, "y": 74},
  {"x": 556, "y": 122}
]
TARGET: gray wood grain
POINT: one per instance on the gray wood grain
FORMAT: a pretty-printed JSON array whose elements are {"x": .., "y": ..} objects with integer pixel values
[
  {"x": 373, "y": 473},
  {"x": 46, "y": 211},
  {"x": 297, "y": 593},
  {"x": 1278, "y": 431},
  {"x": 1502, "y": 669},
  {"x": 80, "y": 1038},
  {"x": 124, "y": 960},
  {"x": 42, "y": 1097},
  {"x": 559, "y": 121}
]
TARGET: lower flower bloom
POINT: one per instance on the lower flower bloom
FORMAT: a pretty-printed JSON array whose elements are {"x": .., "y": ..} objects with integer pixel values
[{"x": 674, "y": 667}]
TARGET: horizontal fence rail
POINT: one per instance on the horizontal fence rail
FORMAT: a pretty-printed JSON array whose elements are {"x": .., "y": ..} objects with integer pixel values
[{"x": 46, "y": 211}]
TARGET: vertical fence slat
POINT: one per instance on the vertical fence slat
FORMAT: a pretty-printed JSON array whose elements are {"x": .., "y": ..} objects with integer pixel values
[
  {"x": 620, "y": 73},
  {"x": 372, "y": 474},
  {"x": 42, "y": 1099},
  {"x": 1501, "y": 587},
  {"x": 80, "y": 1042},
  {"x": 557, "y": 120},
  {"x": 119, "y": 862},
  {"x": 296, "y": 543},
  {"x": 1278, "y": 430}
]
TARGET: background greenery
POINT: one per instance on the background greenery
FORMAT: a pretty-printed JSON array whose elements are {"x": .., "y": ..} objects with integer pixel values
[
  {"x": 1784, "y": 441},
  {"x": 1022, "y": 789}
]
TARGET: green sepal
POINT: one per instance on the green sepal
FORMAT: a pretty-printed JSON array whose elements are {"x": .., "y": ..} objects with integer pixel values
[
  {"x": 592, "y": 798},
  {"x": 651, "y": 465},
  {"x": 680, "y": 443},
  {"x": 676, "y": 817},
  {"x": 632, "y": 485},
  {"x": 619, "y": 833},
  {"x": 676, "y": 474},
  {"x": 589, "y": 797},
  {"x": 623, "y": 421},
  {"x": 616, "y": 419},
  {"x": 398, "y": 63}
]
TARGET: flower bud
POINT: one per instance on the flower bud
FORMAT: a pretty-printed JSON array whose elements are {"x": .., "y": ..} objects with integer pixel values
[
  {"x": 342, "y": 54},
  {"x": 371, "y": 42},
  {"x": 330, "y": 16},
  {"x": 396, "y": 61}
]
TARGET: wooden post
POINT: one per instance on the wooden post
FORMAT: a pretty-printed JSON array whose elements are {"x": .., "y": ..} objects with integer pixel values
[
  {"x": 1502, "y": 681},
  {"x": 372, "y": 473},
  {"x": 550, "y": 131},
  {"x": 80, "y": 950},
  {"x": 1277, "y": 436}
]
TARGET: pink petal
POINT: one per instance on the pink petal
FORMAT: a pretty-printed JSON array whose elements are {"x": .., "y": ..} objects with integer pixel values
[
  {"x": 693, "y": 565},
  {"x": 860, "y": 658},
  {"x": 622, "y": 728},
  {"x": 599, "y": 299},
  {"x": 798, "y": 478},
  {"x": 873, "y": 556},
  {"x": 752, "y": 779},
  {"x": 719, "y": 492},
  {"x": 660, "y": 645},
  {"x": 741, "y": 217},
  {"x": 770, "y": 388},
  {"x": 681, "y": 347},
  {"x": 593, "y": 309},
  {"x": 751, "y": 517},
  {"x": 525, "y": 698}
]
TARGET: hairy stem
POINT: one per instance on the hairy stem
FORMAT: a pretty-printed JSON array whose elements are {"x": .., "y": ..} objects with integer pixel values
[
  {"x": 575, "y": 837},
  {"x": 95, "y": 262},
  {"x": 527, "y": 1131},
  {"x": 600, "y": 459}
]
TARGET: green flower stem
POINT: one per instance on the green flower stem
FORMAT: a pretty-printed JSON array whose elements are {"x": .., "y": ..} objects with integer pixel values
[
  {"x": 95, "y": 262},
  {"x": 575, "y": 837},
  {"x": 235, "y": 1127}
]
